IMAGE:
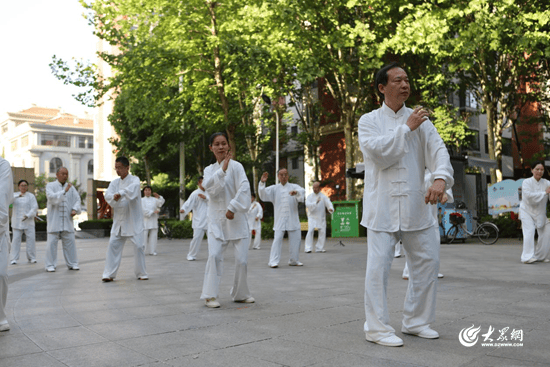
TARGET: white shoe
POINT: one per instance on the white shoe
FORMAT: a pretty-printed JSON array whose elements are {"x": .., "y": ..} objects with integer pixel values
[
  {"x": 212, "y": 303},
  {"x": 191, "y": 259},
  {"x": 439, "y": 275},
  {"x": 308, "y": 252},
  {"x": 405, "y": 277},
  {"x": 427, "y": 333},
  {"x": 322, "y": 251},
  {"x": 247, "y": 300},
  {"x": 143, "y": 277},
  {"x": 50, "y": 269},
  {"x": 13, "y": 262},
  {"x": 530, "y": 261},
  {"x": 274, "y": 266},
  {"x": 74, "y": 267},
  {"x": 297, "y": 263},
  {"x": 397, "y": 256},
  {"x": 4, "y": 327},
  {"x": 255, "y": 248},
  {"x": 32, "y": 261},
  {"x": 546, "y": 260},
  {"x": 389, "y": 341}
]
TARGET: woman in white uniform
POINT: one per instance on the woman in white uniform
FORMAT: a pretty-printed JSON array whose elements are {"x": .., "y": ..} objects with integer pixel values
[
  {"x": 151, "y": 207},
  {"x": 229, "y": 192},
  {"x": 532, "y": 213},
  {"x": 255, "y": 215},
  {"x": 22, "y": 221}
]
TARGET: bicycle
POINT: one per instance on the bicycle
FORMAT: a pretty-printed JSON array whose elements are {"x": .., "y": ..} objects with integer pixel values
[
  {"x": 165, "y": 228},
  {"x": 486, "y": 232}
]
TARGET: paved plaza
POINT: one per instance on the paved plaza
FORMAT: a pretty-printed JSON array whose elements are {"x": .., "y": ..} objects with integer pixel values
[{"x": 303, "y": 316}]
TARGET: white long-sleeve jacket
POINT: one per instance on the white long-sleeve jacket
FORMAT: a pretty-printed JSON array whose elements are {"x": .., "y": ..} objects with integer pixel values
[
  {"x": 316, "y": 211},
  {"x": 285, "y": 205},
  {"x": 199, "y": 206},
  {"x": 254, "y": 212},
  {"x": 533, "y": 200},
  {"x": 228, "y": 190},
  {"x": 395, "y": 159},
  {"x": 60, "y": 205},
  {"x": 127, "y": 212},
  {"x": 6, "y": 198},
  {"x": 150, "y": 205},
  {"x": 23, "y": 206}
]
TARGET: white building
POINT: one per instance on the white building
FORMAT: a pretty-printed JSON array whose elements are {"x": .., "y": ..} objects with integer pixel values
[{"x": 48, "y": 138}]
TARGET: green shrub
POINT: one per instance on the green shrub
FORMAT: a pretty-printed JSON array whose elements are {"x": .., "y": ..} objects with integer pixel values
[
  {"x": 179, "y": 228},
  {"x": 507, "y": 227},
  {"x": 267, "y": 228},
  {"x": 41, "y": 226},
  {"x": 96, "y": 224}
]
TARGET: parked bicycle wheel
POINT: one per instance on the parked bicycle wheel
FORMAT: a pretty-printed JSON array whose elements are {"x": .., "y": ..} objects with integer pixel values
[
  {"x": 487, "y": 233},
  {"x": 166, "y": 230},
  {"x": 452, "y": 233}
]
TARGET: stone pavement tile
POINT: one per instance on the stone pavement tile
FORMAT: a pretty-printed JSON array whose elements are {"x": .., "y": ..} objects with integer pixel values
[
  {"x": 100, "y": 355},
  {"x": 64, "y": 338},
  {"x": 50, "y": 322},
  {"x": 36, "y": 359},
  {"x": 224, "y": 336},
  {"x": 166, "y": 346},
  {"x": 504, "y": 362},
  {"x": 16, "y": 345},
  {"x": 100, "y": 316},
  {"x": 352, "y": 360},
  {"x": 85, "y": 305},
  {"x": 534, "y": 349},
  {"x": 221, "y": 358},
  {"x": 495, "y": 319},
  {"x": 132, "y": 328},
  {"x": 528, "y": 307}
]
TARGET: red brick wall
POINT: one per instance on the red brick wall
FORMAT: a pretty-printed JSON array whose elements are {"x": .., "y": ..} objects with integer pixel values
[{"x": 333, "y": 165}]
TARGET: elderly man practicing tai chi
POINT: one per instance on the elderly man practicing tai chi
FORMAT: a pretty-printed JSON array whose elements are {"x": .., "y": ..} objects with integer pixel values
[
  {"x": 398, "y": 143},
  {"x": 317, "y": 204},
  {"x": 6, "y": 198}
]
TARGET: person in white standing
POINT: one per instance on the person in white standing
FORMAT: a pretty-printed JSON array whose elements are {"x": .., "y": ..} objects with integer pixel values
[
  {"x": 255, "y": 215},
  {"x": 198, "y": 203},
  {"x": 398, "y": 143},
  {"x": 532, "y": 213},
  {"x": 123, "y": 195},
  {"x": 285, "y": 197},
  {"x": 63, "y": 205},
  {"x": 22, "y": 221},
  {"x": 6, "y": 198},
  {"x": 229, "y": 191},
  {"x": 151, "y": 202},
  {"x": 317, "y": 204}
]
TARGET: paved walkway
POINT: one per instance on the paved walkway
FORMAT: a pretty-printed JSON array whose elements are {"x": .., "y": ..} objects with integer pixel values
[{"x": 304, "y": 316}]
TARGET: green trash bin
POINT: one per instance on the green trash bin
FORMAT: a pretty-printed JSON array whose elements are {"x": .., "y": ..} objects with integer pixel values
[{"x": 345, "y": 219}]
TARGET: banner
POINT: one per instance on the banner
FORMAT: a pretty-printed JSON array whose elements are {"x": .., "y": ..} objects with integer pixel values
[{"x": 504, "y": 196}]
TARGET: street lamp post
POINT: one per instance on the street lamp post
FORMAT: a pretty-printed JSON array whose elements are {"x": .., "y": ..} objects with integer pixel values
[{"x": 267, "y": 100}]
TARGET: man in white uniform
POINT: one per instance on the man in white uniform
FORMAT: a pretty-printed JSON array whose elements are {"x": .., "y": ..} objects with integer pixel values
[
  {"x": 398, "y": 144},
  {"x": 22, "y": 221},
  {"x": 123, "y": 195},
  {"x": 255, "y": 215},
  {"x": 285, "y": 197},
  {"x": 63, "y": 205},
  {"x": 151, "y": 207},
  {"x": 317, "y": 204},
  {"x": 6, "y": 198},
  {"x": 198, "y": 203}
]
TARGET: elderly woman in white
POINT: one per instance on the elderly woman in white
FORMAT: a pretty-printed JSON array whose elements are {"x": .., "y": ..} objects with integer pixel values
[
  {"x": 229, "y": 191},
  {"x": 532, "y": 213},
  {"x": 22, "y": 221},
  {"x": 255, "y": 215}
]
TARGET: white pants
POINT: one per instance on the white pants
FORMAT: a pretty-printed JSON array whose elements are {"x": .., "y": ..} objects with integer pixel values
[
  {"x": 151, "y": 236},
  {"x": 422, "y": 252},
  {"x": 196, "y": 242},
  {"x": 321, "y": 239},
  {"x": 16, "y": 243},
  {"x": 69, "y": 249},
  {"x": 294, "y": 240},
  {"x": 214, "y": 269},
  {"x": 397, "y": 250},
  {"x": 528, "y": 228},
  {"x": 114, "y": 255},
  {"x": 542, "y": 251},
  {"x": 4, "y": 257},
  {"x": 257, "y": 238}
]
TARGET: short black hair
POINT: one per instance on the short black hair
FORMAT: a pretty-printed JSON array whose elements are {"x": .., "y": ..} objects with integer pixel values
[
  {"x": 253, "y": 195},
  {"x": 219, "y": 133},
  {"x": 125, "y": 162},
  {"x": 536, "y": 163},
  {"x": 19, "y": 183},
  {"x": 200, "y": 178},
  {"x": 381, "y": 76}
]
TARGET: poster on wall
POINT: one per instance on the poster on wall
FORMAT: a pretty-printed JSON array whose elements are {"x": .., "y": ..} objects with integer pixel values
[{"x": 504, "y": 196}]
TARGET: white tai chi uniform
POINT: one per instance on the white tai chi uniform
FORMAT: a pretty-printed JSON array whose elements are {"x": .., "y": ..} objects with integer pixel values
[
  {"x": 532, "y": 213},
  {"x": 199, "y": 206},
  {"x": 23, "y": 206},
  {"x": 317, "y": 205},
  {"x": 286, "y": 218},
  {"x": 60, "y": 223},
  {"x": 6, "y": 198},
  {"x": 255, "y": 215},
  {"x": 127, "y": 225},
  {"x": 151, "y": 222},
  {"x": 228, "y": 190},
  {"x": 393, "y": 209}
]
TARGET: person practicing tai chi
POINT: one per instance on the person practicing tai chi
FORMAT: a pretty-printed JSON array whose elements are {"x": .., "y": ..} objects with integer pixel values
[
  {"x": 398, "y": 143},
  {"x": 198, "y": 203},
  {"x": 532, "y": 213},
  {"x": 285, "y": 197},
  {"x": 151, "y": 202},
  {"x": 63, "y": 205},
  {"x": 22, "y": 221},
  {"x": 255, "y": 215},
  {"x": 229, "y": 199},
  {"x": 317, "y": 204},
  {"x": 123, "y": 195},
  {"x": 6, "y": 198}
]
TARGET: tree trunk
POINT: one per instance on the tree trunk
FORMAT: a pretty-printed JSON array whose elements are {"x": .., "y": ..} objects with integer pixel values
[
  {"x": 147, "y": 170},
  {"x": 350, "y": 156}
]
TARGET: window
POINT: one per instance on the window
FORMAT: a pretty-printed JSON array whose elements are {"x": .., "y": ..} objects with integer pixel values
[
  {"x": 55, "y": 140},
  {"x": 14, "y": 145},
  {"x": 82, "y": 142},
  {"x": 294, "y": 130},
  {"x": 473, "y": 140},
  {"x": 507, "y": 146},
  {"x": 294, "y": 163},
  {"x": 4, "y": 128},
  {"x": 90, "y": 167},
  {"x": 25, "y": 141},
  {"x": 90, "y": 142},
  {"x": 55, "y": 164}
]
